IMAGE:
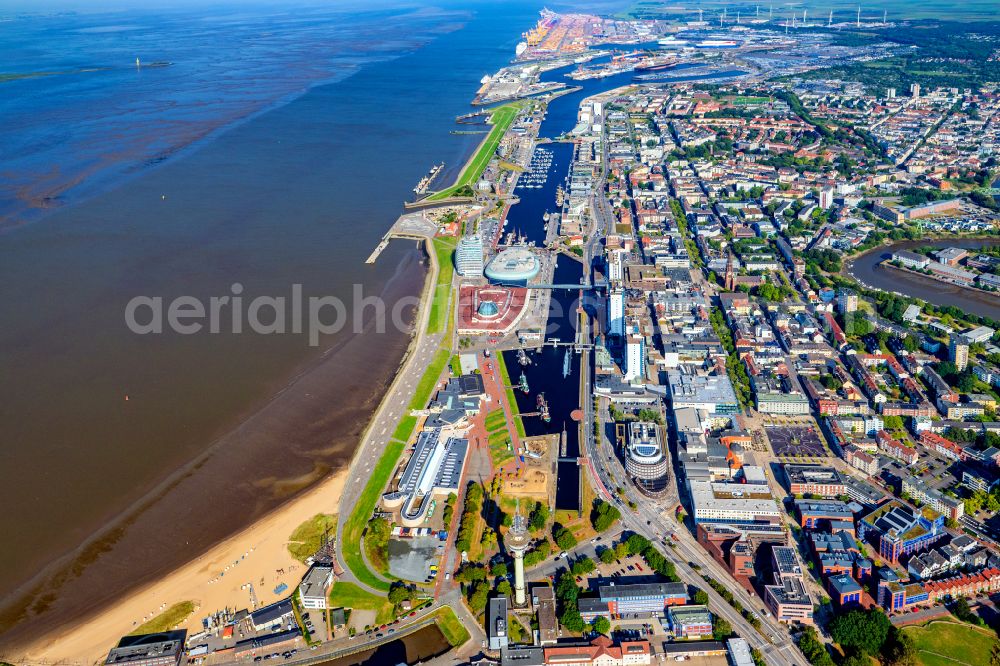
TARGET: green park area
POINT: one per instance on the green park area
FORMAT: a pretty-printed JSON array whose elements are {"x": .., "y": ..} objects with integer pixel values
[
  {"x": 308, "y": 537},
  {"x": 428, "y": 381},
  {"x": 349, "y": 595},
  {"x": 501, "y": 118},
  {"x": 449, "y": 624},
  {"x": 495, "y": 420},
  {"x": 500, "y": 447},
  {"x": 499, "y": 437},
  {"x": 166, "y": 620},
  {"x": 946, "y": 643}
]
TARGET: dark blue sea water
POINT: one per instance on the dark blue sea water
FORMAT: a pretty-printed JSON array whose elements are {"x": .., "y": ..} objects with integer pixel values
[
  {"x": 274, "y": 149},
  {"x": 298, "y": 192},
  {"x": 79, "y": 112}
]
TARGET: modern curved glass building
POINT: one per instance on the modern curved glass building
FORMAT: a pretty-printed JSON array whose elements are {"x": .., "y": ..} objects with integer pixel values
[
  {"x": 645, "y": 457},
  {"x": 515, "y": 267},
  {"x": 469, "y": 257}
]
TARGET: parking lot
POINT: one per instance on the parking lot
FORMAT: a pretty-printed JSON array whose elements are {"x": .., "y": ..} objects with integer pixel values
[
  {"x": 411, "y": 559},
  {"x": 796, "y": 441}
]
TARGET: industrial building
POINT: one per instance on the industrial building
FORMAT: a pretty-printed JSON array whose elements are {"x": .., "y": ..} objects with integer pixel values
[
  {"x": 632, "y": 600},
  {"x": 642, "y": 598}
]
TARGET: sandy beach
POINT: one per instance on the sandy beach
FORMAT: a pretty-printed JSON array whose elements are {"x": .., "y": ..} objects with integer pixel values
[{"x": 212, "y": 581}]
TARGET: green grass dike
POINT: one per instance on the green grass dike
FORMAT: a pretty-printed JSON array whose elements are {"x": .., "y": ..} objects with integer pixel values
[
  {"x": 166, "y": 620},
  {"x": 356, "y": 523},
  {"x": 501, "y": 118},
  {"x": 444, "y": 249}
]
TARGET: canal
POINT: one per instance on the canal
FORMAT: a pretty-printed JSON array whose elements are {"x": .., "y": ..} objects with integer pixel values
[
  {"x": 866, "y": 269},
  {"x": 554, "y": 372},
  {"x": 413, "y": 648}
]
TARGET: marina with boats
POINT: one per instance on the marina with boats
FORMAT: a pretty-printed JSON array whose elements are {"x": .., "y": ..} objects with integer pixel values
[{"x": 426, "y": 181}]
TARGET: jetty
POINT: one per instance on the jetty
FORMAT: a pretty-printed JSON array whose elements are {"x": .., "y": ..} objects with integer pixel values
[{"x": 413, "y": 226}]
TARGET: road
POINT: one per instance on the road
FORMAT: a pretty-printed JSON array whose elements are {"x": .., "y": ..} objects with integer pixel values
[
  {"x": 390, "y": 411},
  {"x": 655, "y": 519}
]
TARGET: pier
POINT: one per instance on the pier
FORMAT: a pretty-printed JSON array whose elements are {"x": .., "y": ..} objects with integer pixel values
[
  {"x": 470, "y": 118},
  {"x": 413, "y": 226},
  {"x": 384, "y": 243}
]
